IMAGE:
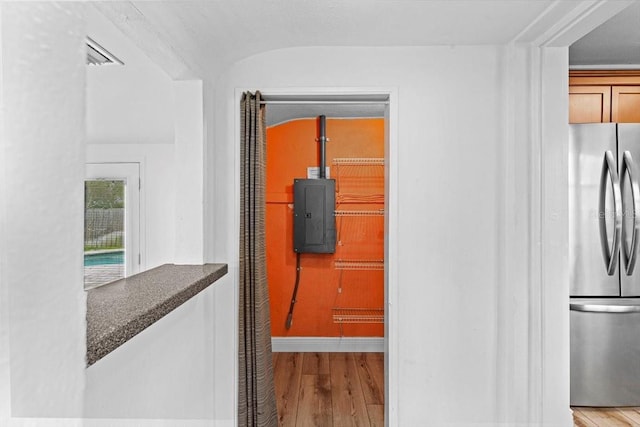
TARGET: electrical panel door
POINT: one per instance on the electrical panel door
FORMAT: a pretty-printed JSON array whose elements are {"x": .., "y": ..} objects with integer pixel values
[{"x": 314, "y": 223}]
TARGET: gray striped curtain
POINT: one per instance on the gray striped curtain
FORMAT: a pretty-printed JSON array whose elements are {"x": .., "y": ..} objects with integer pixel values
[{"x": 256, "y": 400}]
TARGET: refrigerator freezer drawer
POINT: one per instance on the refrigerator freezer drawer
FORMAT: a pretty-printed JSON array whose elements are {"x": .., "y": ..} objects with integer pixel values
[{"x": 605, "y": 352}]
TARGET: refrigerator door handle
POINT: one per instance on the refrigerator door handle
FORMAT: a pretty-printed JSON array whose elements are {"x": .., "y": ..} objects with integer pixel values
[
  {"x": 610, "y": 255},
  {"x": 629, "y": 255},
  {"x": 604, "y": 308}
]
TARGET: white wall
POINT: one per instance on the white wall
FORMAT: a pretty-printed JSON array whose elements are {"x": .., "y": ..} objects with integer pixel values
[
  {"x": 441, "y": 369},
  {"x": 136, "y": 113},
  {"x": 479, "y": 309},
  {"x": 189, "y": 160},
  {"x": 130, "y": 115},
  {"x": 45, "y": 145},
  {"x": 42, "y": 166},
  {"x": 131, "y": 104},
  {"x": 169, "y": 375},
  {"x": 158, "y": 232},
  {"x": 165, "y": 372},
  {"x": 448, "y": 136},
  {"x": 554, "y": 226}
]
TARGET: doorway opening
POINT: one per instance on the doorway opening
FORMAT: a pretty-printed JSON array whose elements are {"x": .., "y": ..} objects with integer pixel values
[
  {"x": 335, "y": 325},
  {"x": 604, "y": 96}
]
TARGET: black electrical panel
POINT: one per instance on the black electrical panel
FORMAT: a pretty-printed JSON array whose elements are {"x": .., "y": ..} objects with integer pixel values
[{"x": 314, "y": 222}]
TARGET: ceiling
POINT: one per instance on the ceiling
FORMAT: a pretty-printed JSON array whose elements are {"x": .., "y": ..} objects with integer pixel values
[
  {"x": 193, "y": 39},
  {"x": 616, "y": 42},
  {"x": 212, "y": 35}
]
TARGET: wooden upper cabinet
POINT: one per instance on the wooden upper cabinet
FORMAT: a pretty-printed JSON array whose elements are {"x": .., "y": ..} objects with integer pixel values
[
  {"x": 589, "y": 104},
  {"x": 625, "y": 104},
  {"x": 597, "y": 96}
]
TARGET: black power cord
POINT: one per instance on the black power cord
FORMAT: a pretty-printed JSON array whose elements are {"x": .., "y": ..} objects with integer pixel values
[{"x": 295, "y": 293}]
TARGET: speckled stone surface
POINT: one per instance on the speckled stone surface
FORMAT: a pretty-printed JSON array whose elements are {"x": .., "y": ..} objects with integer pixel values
[{"x": 118, "y": 311}]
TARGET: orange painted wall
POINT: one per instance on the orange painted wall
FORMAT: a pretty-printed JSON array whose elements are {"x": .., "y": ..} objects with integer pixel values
[{"x": 291, "y": 148}]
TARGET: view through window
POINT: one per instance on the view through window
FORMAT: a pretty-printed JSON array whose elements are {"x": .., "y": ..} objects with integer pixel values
[
  {"x": 112, "y": 247},
  {"x": 104, "y": 231}
]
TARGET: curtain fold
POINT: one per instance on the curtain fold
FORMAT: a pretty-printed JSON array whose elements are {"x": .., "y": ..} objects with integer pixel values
[{"x": 256, "y": 393}]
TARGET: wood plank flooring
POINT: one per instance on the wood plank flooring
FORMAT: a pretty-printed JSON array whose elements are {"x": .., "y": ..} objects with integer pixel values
[
  {"x": 329, "y": 389},
  {"x": 347, "y": 389},
  {"x": 606, "y": 417}
]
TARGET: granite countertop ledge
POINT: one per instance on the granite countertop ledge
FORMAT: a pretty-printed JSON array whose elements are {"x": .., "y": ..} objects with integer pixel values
[{"x": 118, "y": 311}]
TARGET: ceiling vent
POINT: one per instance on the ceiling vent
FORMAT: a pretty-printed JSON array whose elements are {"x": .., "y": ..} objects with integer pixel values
[{"x": 97, "y": 55}]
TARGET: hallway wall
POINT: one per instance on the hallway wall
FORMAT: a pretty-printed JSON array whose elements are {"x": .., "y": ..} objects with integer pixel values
[
  {"x": 43, "y": 150},
  {"x": 444, "y": 343},
  {"x": 445, "y": 208},
  {"x": 137, "y": 113},
  {"x": 130, "y": 118},
  {"x": 42, "y": 155}
]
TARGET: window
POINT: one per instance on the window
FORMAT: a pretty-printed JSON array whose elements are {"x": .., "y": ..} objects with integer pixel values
[{"x": 111, "y": 222}]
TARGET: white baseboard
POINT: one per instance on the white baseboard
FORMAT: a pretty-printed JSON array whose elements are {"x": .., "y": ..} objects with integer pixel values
[{"x": 328, "y": 344}]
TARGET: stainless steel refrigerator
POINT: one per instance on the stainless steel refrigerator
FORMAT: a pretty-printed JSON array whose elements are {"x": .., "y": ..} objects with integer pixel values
[{"x": 604, "y": 221}]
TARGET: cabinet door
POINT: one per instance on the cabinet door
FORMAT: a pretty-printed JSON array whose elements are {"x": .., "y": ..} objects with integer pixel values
[
  {"x": 589, "y": 104},
  {"x": 625, "y": 104}
]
